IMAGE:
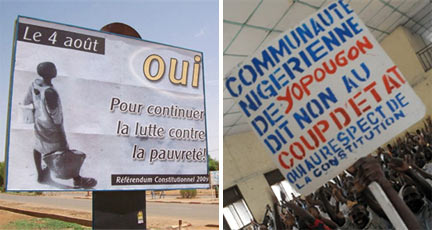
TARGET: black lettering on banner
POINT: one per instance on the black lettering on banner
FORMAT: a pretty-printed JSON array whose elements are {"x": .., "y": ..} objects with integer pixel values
[
  {"x": 60, "y": 38},
  {"x": 135, "y": 179}
]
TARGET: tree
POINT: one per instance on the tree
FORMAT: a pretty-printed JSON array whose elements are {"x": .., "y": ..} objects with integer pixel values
[
  {"x": 2, "y": 174},
  {"x": 213, "y": 165},
  {"x": 188, "y": 193}
]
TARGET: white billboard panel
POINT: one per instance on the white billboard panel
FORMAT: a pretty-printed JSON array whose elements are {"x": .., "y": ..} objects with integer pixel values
[{"x": 99, "y": 111}]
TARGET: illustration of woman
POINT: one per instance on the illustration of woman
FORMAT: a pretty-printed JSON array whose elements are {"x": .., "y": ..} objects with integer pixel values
[{"x": 51, "y": 144}]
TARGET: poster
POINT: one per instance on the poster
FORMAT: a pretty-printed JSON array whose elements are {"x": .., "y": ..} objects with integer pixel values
[
  {"x": 214, "y": 178},
  {"x": 91, "y": 110},
  {"x": 322, "y": 95}
]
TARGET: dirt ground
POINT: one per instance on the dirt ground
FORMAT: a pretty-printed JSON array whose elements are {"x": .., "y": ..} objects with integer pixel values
[
  {"x": 154, "y": 223},
  {"x": 167, "y": 223},
  {"x": 7, "y": 217}
]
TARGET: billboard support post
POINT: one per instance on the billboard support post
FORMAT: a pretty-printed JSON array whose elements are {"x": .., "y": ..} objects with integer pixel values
[{"x": 120, "y": 209}]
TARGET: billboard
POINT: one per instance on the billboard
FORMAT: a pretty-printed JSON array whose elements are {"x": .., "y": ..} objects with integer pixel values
[
  {"x": 214, "y": 178},
  {"x": 322, "y": 95},
  {"x": 92, "y": 110}
]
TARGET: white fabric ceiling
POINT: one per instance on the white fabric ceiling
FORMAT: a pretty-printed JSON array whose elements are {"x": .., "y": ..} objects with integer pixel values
[{"x": 248, "y": 24}]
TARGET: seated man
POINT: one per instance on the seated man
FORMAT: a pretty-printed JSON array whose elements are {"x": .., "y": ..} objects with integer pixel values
[
  {"x": 362, "y": 218},
  {"x": 317, "y": 215},
  {"x": 51, "y": 143},
  {"x": 417, "y": 196},
  {"x": 419, "y": 205},
  {"x": 367, "y": 170}
]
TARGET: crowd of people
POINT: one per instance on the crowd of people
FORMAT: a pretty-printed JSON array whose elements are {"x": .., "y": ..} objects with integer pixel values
[{"x": 402, "y": 169}]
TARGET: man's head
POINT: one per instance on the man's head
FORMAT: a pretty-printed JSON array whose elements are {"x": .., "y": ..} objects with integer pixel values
[
  {"x": 413, "y": 198},
  {"x": 420, "y": 160},
  {"x": 359, "y": 215},
  {"x": 314, "y": 212},
  {"x": 289, "y": 219},
  {"x": 389, "y": 147},
  {"x": 47, "y": 70}
]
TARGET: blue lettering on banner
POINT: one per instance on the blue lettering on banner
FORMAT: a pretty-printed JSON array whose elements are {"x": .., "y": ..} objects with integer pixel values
[{"x": 318, "y": 47}]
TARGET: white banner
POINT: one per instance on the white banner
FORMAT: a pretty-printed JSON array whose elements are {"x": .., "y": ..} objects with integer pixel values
[
  {"x": 323, "y": 95},
  {"x": 98, "y": 111}
]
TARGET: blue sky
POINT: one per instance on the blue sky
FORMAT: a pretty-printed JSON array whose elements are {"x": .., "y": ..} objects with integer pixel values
[{"x": 191, "y": 24}]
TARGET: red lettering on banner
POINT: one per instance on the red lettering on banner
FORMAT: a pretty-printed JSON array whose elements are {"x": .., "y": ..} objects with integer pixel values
[
  {"x": 390, "y": 83},
  {"x": 320, "y": 128},
  {"x": 305, "y": 82},
  {"x": 356, "y": 104},
  {"x": 337, "y": 121},
  {"x": 282, "y": 162},
  {"x": 288, "y": 99},
  {"x": 314, "y": 138},
  {"x": 371, "y": 88},
  {"x": 395, "y": 72}
]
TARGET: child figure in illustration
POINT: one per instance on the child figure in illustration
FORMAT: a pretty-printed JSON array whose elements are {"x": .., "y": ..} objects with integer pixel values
[{"x": 51, "y": 145}]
